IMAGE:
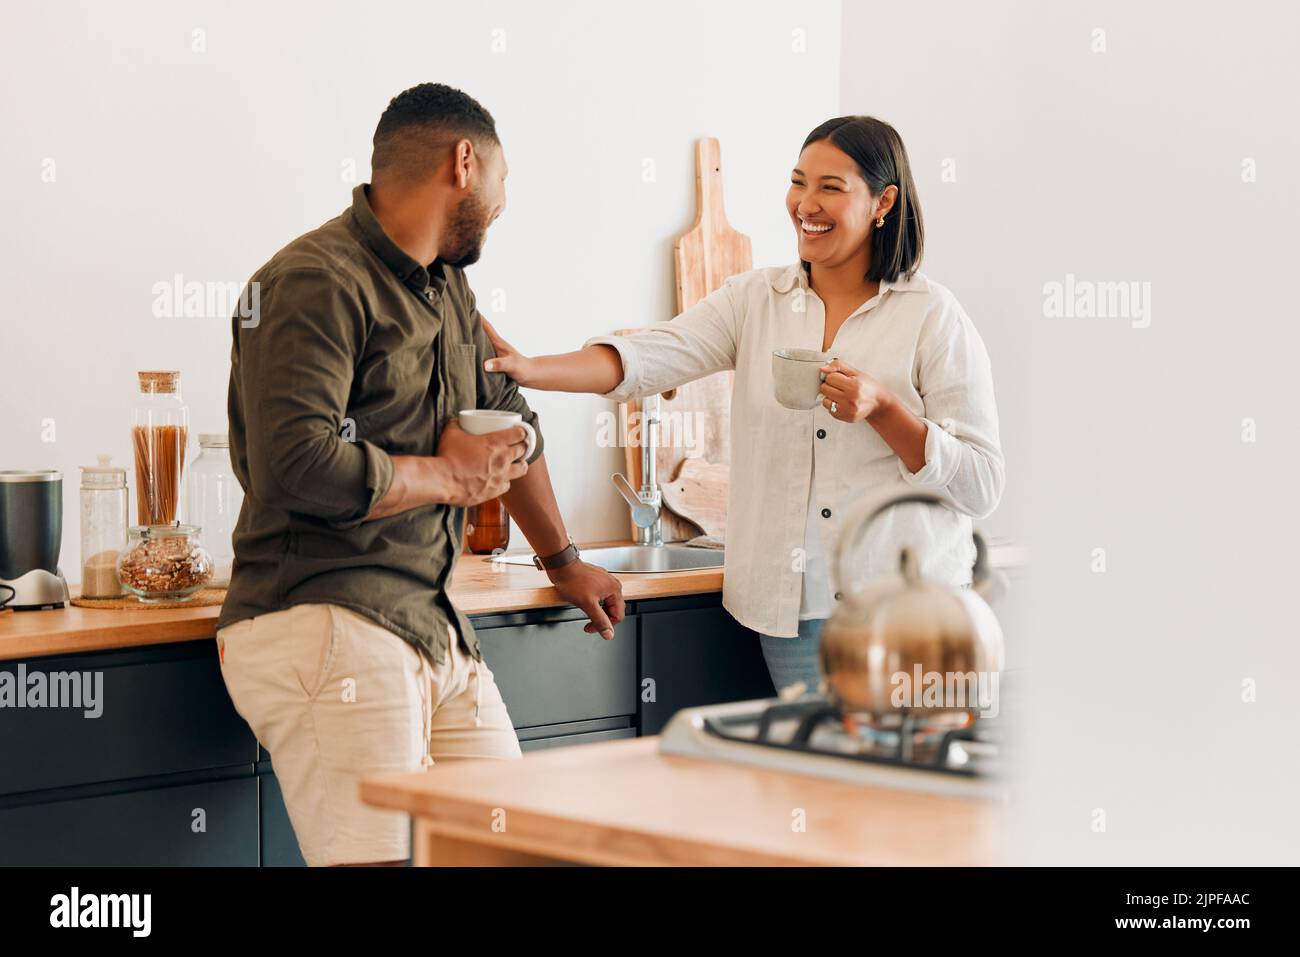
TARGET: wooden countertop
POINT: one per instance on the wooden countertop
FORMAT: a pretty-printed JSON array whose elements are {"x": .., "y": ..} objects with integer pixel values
[
  {"x": 481, "y": 586},
  {"x": 478, "y": 587},
  {"x": 624, "y": 803}
]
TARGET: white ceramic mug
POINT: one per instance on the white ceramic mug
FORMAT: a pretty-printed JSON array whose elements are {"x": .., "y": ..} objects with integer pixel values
[
  {"x": 797, "y": 376},
  {"x": 483, "y": 421}
]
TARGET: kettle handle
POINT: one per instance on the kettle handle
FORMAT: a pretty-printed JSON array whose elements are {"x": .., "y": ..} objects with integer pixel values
[{"x": 854, "y": 525}]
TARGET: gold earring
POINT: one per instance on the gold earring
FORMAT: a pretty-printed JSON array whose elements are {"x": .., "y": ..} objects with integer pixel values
[{"x": 880, "y": 223}]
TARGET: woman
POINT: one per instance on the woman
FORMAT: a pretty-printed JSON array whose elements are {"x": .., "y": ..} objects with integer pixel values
[{"x": 907, "y": 403}]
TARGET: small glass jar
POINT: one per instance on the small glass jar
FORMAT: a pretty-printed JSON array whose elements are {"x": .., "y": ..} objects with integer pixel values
[
  {"x": 213, "y": 497},
  {"x": 164, "y": 562},
  {"x": 487, "y": 527},
  {"x": 104, "y": 510},
  {"x": 160, "y": 424}
]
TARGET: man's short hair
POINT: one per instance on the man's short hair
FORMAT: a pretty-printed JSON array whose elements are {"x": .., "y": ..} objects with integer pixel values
[{"x": 421, "y": 123}]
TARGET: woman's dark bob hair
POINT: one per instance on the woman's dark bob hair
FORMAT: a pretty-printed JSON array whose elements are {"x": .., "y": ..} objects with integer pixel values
[{"x": 877, "y": 148}]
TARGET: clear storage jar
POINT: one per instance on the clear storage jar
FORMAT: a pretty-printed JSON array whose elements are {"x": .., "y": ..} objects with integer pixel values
[
  {"x": 104, "y": 511},
  {"x": 213, "y": 497},
  {"x": 163, "y": 562},
  {"x": 160, "y": 424}
]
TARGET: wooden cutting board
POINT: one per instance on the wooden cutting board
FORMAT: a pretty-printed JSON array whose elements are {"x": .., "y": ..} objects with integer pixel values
[
  {"x": 698, "y": 413},
  {"x": 699, "y": 495}
]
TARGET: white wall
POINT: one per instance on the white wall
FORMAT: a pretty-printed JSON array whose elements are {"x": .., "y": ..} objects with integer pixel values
[
  {"x": 1127, "y": 165},
  {"x": 168, "y": 161}
]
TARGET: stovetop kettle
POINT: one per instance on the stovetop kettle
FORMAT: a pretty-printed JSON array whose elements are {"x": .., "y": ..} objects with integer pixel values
[{"x": 905, "y": 646}]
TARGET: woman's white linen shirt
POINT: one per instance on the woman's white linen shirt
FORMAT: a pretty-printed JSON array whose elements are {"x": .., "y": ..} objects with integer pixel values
[{"x": 915, "y": 339}]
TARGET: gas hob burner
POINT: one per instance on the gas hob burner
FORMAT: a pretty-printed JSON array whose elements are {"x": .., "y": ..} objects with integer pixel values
[{"x": 947, "y": 753}]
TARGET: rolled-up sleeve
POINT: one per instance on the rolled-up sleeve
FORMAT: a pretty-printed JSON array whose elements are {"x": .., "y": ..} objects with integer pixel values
[
  {"x": 963, "y": 457},
  {"x": 497, "y": 389},
  {"x": 295, "y": 376},
  {"x": 700, "y": 341}
]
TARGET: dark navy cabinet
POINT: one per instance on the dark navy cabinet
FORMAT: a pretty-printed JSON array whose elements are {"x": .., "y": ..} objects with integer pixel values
[
  {"x": 162, "y": 775},
  {"x": 210, "y": 823},
  {"x": 170, "y": 774},
  {"x": 275, "y": 831},
  {"x": 692, "y": 652},
  {"x": 551, "y": 672},
  {"x": 162, "y": 710}
]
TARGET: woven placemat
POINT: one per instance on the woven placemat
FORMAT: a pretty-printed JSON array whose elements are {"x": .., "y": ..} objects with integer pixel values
[{"x": 204, "y": 596}]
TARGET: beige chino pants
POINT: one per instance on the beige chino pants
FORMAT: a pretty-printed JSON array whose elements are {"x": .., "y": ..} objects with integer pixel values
[{"x": 334, "y": 697}]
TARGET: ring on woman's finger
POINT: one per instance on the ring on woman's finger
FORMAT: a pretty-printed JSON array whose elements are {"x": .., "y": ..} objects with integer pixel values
[{"x": 834, "y": 408}]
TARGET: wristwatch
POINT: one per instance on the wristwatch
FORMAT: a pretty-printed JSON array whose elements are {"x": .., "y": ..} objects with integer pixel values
[{"x": 558, "y": 560}]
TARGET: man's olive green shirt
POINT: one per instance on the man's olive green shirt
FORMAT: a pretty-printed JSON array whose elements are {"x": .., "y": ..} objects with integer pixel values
[{"x": 356, "y": 353}]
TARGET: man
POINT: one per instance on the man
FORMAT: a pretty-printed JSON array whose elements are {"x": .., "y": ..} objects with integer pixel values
[{"x": 338, "y": 643}]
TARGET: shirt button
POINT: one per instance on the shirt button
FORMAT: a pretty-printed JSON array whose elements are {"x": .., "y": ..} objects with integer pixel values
[
  {"x": 826, "y": 513},
  {"x": 821, "y": 433},
  {"x": 839, "y": 595}
]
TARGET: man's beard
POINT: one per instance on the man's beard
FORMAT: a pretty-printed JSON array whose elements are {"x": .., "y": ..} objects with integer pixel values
[{"x": 466, "y": 232}]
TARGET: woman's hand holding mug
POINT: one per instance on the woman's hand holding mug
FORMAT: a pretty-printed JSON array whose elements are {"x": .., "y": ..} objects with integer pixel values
[{"x": 851, "y": 395}]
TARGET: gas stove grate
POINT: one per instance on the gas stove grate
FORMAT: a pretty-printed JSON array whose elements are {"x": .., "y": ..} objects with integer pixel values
[{"x": 813, "y": 714}]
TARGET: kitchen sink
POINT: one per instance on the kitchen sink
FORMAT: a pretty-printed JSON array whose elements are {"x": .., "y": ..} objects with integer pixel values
[{"x": 636, "y": 558}]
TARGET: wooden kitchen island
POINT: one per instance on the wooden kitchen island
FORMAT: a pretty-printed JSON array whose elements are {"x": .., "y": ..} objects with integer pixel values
[{"x": 624, "y": 803}]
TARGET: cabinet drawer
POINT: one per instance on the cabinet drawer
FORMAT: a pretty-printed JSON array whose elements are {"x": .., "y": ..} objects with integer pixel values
[
  {"x": 565, "y": 740},
  {"x": 137, "y": 828},
  {"x": 696, "y": 657},
  {"x": 555, "y": 672},
  {"x": 162, "y": 711},
  {"x": 279, "y": 843}
]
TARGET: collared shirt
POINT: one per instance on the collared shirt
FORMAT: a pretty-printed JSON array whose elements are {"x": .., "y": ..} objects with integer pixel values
[
  {"x": 815, "y": 602},
  {"x": 358, "y": 353},
  {"x": 913, "y": 338}
]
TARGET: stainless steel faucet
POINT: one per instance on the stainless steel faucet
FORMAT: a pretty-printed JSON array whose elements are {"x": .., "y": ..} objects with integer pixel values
[{"x": 647, "y": 504}]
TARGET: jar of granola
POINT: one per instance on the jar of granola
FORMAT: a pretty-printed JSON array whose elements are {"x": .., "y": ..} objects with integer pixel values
[{"x": 164, "y": 562}]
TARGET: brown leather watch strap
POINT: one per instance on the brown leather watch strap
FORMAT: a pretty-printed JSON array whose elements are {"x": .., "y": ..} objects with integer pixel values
[{"x": 558, "y": 560}]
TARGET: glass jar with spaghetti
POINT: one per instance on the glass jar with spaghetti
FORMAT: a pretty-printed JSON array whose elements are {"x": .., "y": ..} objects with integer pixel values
[{"x": 160, "y": 424}]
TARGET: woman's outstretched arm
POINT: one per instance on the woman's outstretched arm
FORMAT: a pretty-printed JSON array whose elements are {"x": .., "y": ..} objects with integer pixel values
[
  {"x": 595, "y": 368},
  {"x": 659, "y": 357}
]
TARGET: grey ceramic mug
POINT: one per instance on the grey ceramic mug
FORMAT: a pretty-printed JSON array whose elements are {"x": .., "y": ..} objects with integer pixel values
[{"x": 797, "y": 377}]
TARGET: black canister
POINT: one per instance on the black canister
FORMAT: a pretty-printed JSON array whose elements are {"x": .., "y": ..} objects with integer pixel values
[{"x": 31, "y": 522}]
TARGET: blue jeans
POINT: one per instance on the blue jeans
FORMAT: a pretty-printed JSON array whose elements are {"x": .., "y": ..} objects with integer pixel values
[{"x": 795, "y": 659}]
